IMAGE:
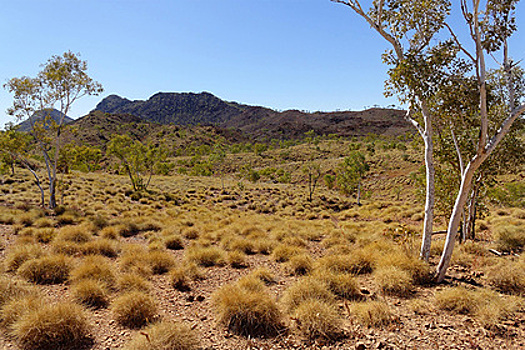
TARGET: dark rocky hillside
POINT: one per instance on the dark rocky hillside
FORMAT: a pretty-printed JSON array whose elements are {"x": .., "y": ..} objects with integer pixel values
[
  {"x": 25, "y": 126},
  {"x": 254, "y": 121}
]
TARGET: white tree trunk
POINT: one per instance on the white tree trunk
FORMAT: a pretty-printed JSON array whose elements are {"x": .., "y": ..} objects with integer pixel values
[{"x": 430, "y": 198}]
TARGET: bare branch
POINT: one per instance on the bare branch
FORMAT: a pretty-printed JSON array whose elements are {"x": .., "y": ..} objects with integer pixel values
[{"x": 456, "y": 40}]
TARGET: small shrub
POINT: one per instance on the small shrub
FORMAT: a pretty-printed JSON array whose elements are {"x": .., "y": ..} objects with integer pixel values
[
  {"x": 371, "y": 313},
  {"x": 90, "y": 293},
  {"x": 307, "y": 288},
  {"x": 165, "y": 335},
  {"x": 317, "y": 319},
  {"x": 46, "y": 270},
  {"x": 56, "y": 326},
  {"x": 247, "y": 312},
  {"x": 134, "y": 309}
]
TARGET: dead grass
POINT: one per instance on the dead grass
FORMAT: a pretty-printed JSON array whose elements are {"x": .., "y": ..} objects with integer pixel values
[
  {"x": 205, "y": 256},
  {"x": 96, "y": 268},
  {"x": 392, "y": 280},
  {"x": 131, "y": 282},
  {"x": 19, "y": 254}
]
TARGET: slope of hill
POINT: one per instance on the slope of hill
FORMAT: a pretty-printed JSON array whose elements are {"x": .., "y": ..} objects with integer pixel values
[
  {"x": 97, "y": 128},
  {"x": 255, "y": 121},
  {"x": 25, "y": 126}
]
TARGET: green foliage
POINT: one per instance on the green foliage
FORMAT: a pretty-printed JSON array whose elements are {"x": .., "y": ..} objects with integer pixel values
[
  {"x": 351, "y": 171},
  {"x": 138, "y": 160}
]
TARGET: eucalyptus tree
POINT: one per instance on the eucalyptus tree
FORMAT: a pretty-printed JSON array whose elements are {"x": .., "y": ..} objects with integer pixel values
[
  {"x": 436, "y": 58},
  {"x": 60, "y": 83},
  {"x": 138, "y": 160},
  {"x": 350, "y": 174}
]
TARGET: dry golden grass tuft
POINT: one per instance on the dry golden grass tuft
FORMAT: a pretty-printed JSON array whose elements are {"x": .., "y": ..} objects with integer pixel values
[
  {"x": 101, "y": 246},
  {"x": 510, "y": 236},
  {"x": 342, "y": 284},
  {"x": 91, "y": 293},
  {"x": 50, "y": 269},
  {"x": 160, "y": 261},
  {"x": 265, "y": 275},
  {"x": 300, "y": 264},
  {"x": 17, "y": 307},
  {"x": 236, "y": 259},
  {"x": 165, "y": 335},
  {"x": 284, "y": 252},
  {"x": 19, "y": 254},
  {"x": 508, "y": 277},
  {"x": 392, "y": 280},
  {"x": 307, "y": 288},
  {"x": 173, "y": 242},
  {"x": 134, "y": 309},
  {"x": 246, "y": 311},
  {"x": 11, "y": 288},
  {"x": 318, "y": 319},
  {"x": 75, "y": 234},
  {"x": 487, "y": 306},
  {"x": 94, "y": 267},
  {"x": 55, "y": 326},
  {"x": 371, "y": 313},
  {"x": 128, "y": 282},
  {"x": 205, "y": 256}
]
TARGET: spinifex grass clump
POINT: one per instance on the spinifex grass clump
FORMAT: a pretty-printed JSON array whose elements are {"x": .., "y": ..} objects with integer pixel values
[
  {"x": 55, "y": 326},
  {"x": 20, "y": 254},
  {"x": 134, "y": 309},
  {"x": 371, "y": 313},
  {"x": 508, "y": 277},
  {"x": 247, "y": 309},
  {"x": 318, "y": 319},
  {"x": 96, "y": 268},
  {"x": 165, "y": 335},
  {"x": 307, "y": 288},
  {"x": 91, "y": 293},
  {"x": 46, "y": 270}
]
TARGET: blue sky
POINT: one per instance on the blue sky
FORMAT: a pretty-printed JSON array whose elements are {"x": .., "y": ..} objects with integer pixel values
[{"x": 304, "y": 54}]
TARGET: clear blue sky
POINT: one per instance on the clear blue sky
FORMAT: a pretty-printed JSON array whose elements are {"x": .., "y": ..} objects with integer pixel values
[{"x": 304, "y": 54}]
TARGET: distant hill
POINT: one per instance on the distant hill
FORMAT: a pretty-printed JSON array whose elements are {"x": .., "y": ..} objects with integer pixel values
[
  {"x": 255, "y": 121},
  {"x": 178, "y": 108},
  {"x": 25, "y": 126},
  {"x": 97, "y": 128}
]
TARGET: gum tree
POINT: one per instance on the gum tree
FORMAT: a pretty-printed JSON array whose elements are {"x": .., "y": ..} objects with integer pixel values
[
  {"x": 60, "y": 83},
  {"x": 442, "y": 60}
]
